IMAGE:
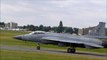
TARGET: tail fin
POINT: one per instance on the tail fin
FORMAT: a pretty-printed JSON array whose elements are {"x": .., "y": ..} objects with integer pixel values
[{"x": 99, "y": 30}]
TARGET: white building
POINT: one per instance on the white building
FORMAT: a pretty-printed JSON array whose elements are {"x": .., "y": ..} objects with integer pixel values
[
  {"x": 99, "y": 30},
  {"x": 11, "y": 25}
]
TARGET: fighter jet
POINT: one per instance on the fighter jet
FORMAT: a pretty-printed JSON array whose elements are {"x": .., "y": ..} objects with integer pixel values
[
  {"x": 61, "y": 39},
  {"x": 90, "y": 40}
]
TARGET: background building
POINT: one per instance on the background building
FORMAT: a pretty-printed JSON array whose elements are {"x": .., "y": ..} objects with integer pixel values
[
  {"x": 106, "y": 32},
  {"x": 98, "y": 30},
  {"x": 80, "y": 31},
  {"x": 11, "y": 25}
]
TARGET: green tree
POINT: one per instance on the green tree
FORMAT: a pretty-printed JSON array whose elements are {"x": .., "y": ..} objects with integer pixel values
[
  {"x": 60, "y": 27},
  {"x": 24, "y": 27},
  {"x": 54, "y": 29},
  {"x": 36, "y": 28},
  {"x": 41, "y": 27},
  {"x": 69, "y": 30},
  {"x": 2, "y": 24},
  {"x": 31, "y": 27},
  {"x": 76, "y": 31},
  {"x": 47, "y": 28}
]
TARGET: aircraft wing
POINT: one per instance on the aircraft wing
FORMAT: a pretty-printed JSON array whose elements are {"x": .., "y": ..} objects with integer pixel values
[
  {"x": 57, "y": 39},
  {"x": 60, "y": 40}
]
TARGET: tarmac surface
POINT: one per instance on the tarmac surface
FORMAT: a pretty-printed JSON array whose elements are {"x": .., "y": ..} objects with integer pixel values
[{"x": 33, "y": 49}]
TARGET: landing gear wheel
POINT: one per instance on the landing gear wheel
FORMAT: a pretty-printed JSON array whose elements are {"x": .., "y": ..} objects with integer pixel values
[
  {"x": 70, "y": 50},
  {"x": 38, "y": 47},
  {"x": 73, "y": 50}
]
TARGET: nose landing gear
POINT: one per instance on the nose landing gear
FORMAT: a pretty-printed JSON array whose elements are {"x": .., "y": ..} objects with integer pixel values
[{"x": 38, "y": 46}]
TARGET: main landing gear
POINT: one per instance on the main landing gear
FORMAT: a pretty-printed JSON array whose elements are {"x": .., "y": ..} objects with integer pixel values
[
  {"x": 71, "y": 49},
  {"x": 38, "y": 46}
]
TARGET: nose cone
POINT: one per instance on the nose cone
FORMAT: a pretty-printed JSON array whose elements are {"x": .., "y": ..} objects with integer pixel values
[{"x": 18, "y": 37}]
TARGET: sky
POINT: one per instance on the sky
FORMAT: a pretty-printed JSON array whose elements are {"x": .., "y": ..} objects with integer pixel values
[{"x": 73, "y": 13}]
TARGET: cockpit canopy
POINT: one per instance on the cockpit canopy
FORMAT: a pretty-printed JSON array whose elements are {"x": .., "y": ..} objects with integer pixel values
[{"x": 37, "y": 32}]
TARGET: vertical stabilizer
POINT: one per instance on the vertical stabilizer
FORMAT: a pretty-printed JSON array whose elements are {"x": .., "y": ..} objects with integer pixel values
[{"x": 99, "y": 30}]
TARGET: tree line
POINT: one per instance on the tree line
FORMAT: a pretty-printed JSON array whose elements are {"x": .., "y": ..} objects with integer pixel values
[{"x": 59, "y": 29}]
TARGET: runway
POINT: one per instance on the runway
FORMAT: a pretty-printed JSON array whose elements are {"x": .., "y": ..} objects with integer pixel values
[{"x": 32, "y": 49}]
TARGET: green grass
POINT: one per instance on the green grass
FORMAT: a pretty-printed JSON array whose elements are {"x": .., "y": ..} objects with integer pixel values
[
  {"x": 6, "y": 38},
  {"x": 24, "y": 55}
]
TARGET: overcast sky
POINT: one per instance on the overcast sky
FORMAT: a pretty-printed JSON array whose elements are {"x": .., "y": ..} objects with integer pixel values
[{"x": 73, "y": 13}]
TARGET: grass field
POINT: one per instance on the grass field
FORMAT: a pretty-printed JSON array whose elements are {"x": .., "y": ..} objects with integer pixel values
[
  {"x": 22, "y": 55},
  {"x": 6, "y": 38}
]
